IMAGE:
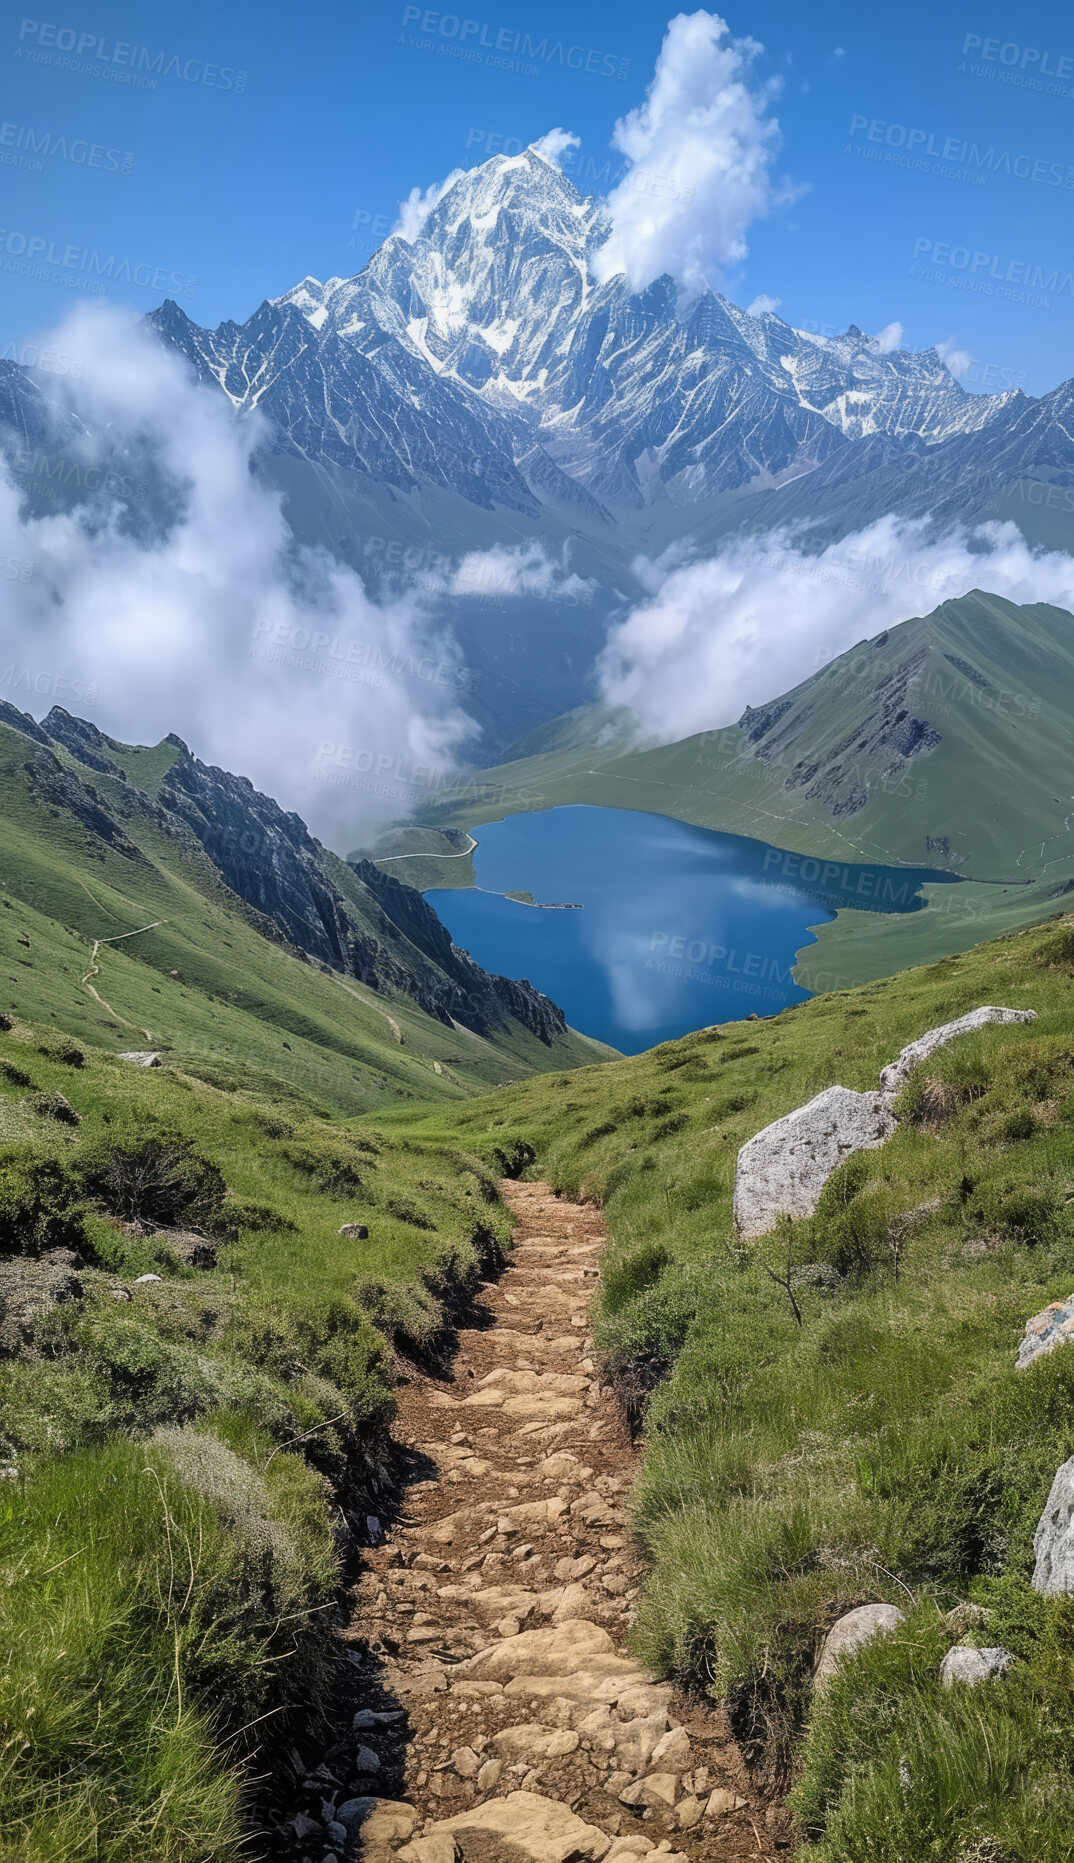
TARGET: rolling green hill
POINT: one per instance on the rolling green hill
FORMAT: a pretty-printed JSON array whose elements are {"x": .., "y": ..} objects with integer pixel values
[{"x": 122, "y": 929}]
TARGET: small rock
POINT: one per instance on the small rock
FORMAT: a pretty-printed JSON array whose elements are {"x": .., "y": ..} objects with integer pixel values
[
  {"x": 365, "y": 1759},
  {"x": 438, "y": 1847},
  {"x": 141, "y": 1279},
  {"x": 375, "y": 1717},
  {"x": 489, "y": 1775},
  {"x": 657, "y": 1788},
  {"x": 852, "y": 1632},
  {"x": 337, "y": 1832},
  {"x": 304, "y": 1827},
  {"x": 672, "y": 1753},
  {"x": 721, "y": 1801},
  {"x": 689, "y": 1812},
  {"x": 140, "y": 1058},
  {"x": 971, "y": 1666},
  {"x": 465, "y": 1762},
  {"x": 358, "y": 1232}
]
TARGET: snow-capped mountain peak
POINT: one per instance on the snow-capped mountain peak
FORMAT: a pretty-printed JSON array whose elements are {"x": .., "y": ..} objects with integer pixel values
[{"x": 483, "y": 355}]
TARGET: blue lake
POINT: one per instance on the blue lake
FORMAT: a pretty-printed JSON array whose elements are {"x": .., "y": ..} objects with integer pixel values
[{"x": 679, "y": 927}]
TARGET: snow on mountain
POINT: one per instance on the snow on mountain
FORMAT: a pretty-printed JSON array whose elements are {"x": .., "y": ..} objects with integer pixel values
[{"x": 485, "y": 358}]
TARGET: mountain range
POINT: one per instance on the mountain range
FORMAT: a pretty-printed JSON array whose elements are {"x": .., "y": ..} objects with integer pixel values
[{"x": 478, "y": 387}]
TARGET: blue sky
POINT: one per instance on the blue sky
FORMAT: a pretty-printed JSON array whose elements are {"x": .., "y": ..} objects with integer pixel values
[{"x": 275, "y": 141}]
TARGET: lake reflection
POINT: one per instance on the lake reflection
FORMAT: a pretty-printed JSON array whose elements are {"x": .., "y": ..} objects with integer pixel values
[{"x": 679, "y": 926}]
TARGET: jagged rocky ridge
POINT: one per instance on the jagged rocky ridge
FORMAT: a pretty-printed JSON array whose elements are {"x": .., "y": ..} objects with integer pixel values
[
  {"x": 485, "y": 358},
  {"x": 347, "y": 916}
]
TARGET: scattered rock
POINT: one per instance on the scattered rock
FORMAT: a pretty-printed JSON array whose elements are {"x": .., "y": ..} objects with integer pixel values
[
  {"x": 657, "y": 1788},
  {"x": 963, "y": 1664},
  {"x": 357, "y": 1231},
  {"x": 721, "y": 1801},
  {"x": 440, "y": 1847},
  {"x": 1046, "y": 1330},
  {"x": 1053, "y": 1541},
  {"x": 852, "y": 1633},
  {"x": 140, "y": 1057}
]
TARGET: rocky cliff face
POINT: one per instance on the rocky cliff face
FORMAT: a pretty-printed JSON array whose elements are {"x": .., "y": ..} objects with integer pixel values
[{"x": 351, "y": 918}]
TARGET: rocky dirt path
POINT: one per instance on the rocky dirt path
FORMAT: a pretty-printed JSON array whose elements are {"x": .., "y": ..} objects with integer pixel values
[{"x": 490, "y": 1627}]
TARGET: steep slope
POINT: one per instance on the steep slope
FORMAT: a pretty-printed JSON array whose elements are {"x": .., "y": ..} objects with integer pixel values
[{"x": 249, "y": 942}]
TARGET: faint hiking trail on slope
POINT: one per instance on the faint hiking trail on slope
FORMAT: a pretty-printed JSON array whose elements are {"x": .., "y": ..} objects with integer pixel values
[
  {"x": 508, "y": 1725},
  {"x": 95, "y": 971}
]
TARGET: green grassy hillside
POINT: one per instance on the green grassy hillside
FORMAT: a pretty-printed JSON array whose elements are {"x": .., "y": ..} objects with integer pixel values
[
  {"x": 196, "y": 1377},
  {"x": 185, "y": 967},
  {"x": 885, "y": 1448}
]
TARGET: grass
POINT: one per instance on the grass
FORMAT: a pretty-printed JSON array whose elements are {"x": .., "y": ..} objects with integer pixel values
[
  {"x": 886, "y": 1448},
  {"x": 179, "y": 1462},
  {"x": 198, "y": 979}
]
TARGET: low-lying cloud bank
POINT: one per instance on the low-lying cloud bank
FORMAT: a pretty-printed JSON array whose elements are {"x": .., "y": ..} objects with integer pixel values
[
  {"x": 205, "y": 619},
  {"x": 752, "y": 622}
]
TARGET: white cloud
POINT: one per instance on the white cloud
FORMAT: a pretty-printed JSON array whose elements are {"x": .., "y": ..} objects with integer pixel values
[
  {"x": 699, "y": 160},
  {"x": 754, "y": 621},
  {"x": 214, "y": 626},
  {"x": 419, "y": 204},
  {"x": 519, "y": 569},
  {"x": 888, "y": 338},
  {"x": 762, "y": 304},
  {"x": 553, "y": 146},
  {"x": 958, "y": 361}
]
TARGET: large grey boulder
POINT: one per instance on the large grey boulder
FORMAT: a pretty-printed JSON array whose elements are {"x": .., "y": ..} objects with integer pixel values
[
  {"x": 971, "y": 1666},
  {"x": 1046, "y": 1330},
  {"x": 895, "y": 1075},
  {"x": 784, "y": 1168},
  {"x": 1053, "y": 1542},
  {"x": 782, "y": 1171},
  {"x": 851, "y": 1633}
]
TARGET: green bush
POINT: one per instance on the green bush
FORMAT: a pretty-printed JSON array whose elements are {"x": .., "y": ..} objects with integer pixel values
[{"x": 38, "y": 1207}]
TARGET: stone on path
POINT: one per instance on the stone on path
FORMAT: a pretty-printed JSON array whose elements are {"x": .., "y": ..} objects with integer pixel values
[{"x": 541, "y": 1829}]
